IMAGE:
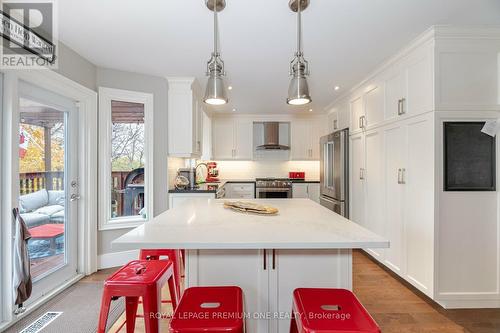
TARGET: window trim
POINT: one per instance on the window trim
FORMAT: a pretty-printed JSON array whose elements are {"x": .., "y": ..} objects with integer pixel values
[{"x": 106, "y": 95}]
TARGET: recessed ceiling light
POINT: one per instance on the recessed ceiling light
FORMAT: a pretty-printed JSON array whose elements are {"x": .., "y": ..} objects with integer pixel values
[
  {"x": 310, "y": 110},
  {"x": 234, "y": 110},
  {"x": 230, "y": 88},
  {"x": 336, "y": 88}
]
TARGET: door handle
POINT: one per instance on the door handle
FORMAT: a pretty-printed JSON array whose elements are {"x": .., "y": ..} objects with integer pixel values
[
  {"x": 74, "y": 197},
  {"x": 265, "y": 260},
  {"x": 274, "y": 259},
  {"x": 399, "y": 176},
  {"x": 361, "y": 173},
  {"x": 401, "y": 106}
]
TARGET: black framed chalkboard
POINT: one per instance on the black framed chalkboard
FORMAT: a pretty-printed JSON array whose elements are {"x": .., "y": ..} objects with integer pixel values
[{"x": 469, "y": 157}]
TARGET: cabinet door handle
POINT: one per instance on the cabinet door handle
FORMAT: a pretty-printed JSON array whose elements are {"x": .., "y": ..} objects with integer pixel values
[
  {"x": 399, "y": 176},
  {"x": 361, "y": 173},
  {"x": 265, "y": 260},
  {"x": 335, "y": 124},
  {"x": 274, "y": 259},
  {"x": 401, "y": 106},
  {"x": 360, "y": 125},
  {"x": 403, "y": 171}
]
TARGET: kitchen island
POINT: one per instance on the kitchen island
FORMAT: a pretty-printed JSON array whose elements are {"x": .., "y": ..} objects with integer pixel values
[{"x": 304, "y": 245}]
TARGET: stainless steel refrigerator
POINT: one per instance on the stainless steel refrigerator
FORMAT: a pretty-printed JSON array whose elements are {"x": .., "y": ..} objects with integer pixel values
[{"x": 334, "y": 172}]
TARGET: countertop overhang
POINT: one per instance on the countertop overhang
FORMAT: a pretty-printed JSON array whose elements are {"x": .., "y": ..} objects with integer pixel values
[{"x": 206, "y": 224}]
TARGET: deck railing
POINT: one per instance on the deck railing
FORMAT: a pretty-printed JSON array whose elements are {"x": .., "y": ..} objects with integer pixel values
[{"x": 30, "y": 182}]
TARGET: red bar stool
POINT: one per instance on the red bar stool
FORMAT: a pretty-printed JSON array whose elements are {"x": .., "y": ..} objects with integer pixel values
[
  {"x": 174, "y": 257},
  {"x": 138, "y": 278},
  {"x": 209, "y": 310},
  {"x": 317, "y": 310}
]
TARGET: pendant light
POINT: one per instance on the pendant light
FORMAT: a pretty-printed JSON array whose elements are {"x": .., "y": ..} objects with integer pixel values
[
  {"x": 298, "y": 91},
  {"x": 215, "y": 93}
]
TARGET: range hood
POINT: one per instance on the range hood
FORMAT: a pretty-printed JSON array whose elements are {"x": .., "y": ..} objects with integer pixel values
[{"x": 271, "y": 137}]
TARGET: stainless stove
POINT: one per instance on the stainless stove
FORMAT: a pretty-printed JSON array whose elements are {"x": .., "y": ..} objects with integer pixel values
[{"x": 273, "y": 188}]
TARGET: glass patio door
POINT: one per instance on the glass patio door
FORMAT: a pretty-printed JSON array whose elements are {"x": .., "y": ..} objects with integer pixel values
[{"x": 48, "y": 185}]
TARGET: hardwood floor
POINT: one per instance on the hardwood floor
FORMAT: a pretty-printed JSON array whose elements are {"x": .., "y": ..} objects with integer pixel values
[
  {"x": 400, "y": 308},
  {"x": 397, "y": 307}
]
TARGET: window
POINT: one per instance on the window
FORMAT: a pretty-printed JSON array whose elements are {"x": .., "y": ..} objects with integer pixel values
[{"x": 125, "y": 163}]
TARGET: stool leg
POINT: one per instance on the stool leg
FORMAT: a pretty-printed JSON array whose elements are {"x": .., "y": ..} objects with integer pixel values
[
  {"x": 131, "y": 304},
  {"x": 152, "y": 309},
  {"x": 172, "y": 287},
  {"x": 103, "y": 315},
  {"x": 293, "y": 324}
]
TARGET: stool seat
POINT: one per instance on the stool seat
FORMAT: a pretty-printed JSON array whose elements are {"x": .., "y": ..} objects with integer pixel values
[
  {"x": 319, "y": 310},
  {"x": 139, "y": 272},
  {"x": 209, "y": 310}
]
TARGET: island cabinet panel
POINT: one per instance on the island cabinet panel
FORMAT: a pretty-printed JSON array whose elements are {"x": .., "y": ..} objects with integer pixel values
[
  {"x": 242, "y": 268},
  {"x": 304, "y": 269},
  {"x": 268, "y": 278}
]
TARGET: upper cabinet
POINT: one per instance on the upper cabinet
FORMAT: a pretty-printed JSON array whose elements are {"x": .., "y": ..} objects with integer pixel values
[
  {"x": 402, "y": 89},
  {"x": 185, "y": 118},
  {"x": 305, "y": 135},
  {"x": 232, "y": 138}
]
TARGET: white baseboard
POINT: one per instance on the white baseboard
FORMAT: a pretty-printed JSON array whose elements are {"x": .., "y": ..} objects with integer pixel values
[
  {"x": 469, "y": 304},
  {"x": 116, "y": 259}
]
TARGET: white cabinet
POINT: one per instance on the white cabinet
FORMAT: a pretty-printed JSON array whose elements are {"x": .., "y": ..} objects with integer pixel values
[
  {"x": 357, "y": 193},
  {"x": 393, "y": 195},
  {"x": 223, "y": 138},
  {"x": 239, "y": 190},
  {"x": 176, "y": 199},
  {"x": 318, "y": 269},
  {"x": 306, "y": 190},
  {"x": 185, "y": 118},
  {"x": 305, "y": 135},
  {"x": 232, "y": 138},
  {"x": 374, "y": 183},
  {"x": 374, "y": 106},
  {"x": 409, "y": 88},
  {"x": 268, "y": 278},
  {"x": 394, "y": 149},
  {"x": 395, "y": 94},
  {"x": 357, "y": 114}
]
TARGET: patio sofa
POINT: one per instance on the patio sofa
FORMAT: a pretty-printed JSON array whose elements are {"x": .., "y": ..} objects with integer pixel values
[{"x": 42, "y": 207}]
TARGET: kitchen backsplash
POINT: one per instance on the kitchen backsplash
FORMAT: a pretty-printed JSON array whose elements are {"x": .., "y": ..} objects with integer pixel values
[{"x": 256, "y": 169}]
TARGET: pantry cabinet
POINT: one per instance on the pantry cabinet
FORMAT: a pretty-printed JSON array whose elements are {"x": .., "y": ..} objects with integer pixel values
[
  {"x": 185, "y": 118},
  {"x": 392, "y": 195},
  {"x": 232, "y": 139},
  {"x": 306, "y": 190}
]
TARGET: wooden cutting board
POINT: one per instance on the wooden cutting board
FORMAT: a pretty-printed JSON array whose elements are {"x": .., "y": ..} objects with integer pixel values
[{"x": 250, "y": 207}]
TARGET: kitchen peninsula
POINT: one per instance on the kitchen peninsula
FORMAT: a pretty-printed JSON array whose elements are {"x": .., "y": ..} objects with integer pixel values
[{"x": 304, "y": 245}]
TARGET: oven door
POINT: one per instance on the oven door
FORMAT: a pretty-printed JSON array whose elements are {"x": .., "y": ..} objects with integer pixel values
[{"x": 274, "y": 193}]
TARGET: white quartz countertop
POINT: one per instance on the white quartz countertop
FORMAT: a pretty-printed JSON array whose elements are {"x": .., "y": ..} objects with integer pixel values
[{"x": 206, "y": 224}]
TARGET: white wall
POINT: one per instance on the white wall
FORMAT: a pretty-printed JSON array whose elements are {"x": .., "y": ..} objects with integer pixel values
[{"x": 158, "y": 87}]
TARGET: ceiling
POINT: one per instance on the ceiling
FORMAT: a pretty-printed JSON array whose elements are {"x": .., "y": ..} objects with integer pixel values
[{"x": 343, "y": 40}]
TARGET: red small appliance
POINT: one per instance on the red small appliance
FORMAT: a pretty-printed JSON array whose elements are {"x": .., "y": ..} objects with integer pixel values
[
  {"x": 301, "y": 175},
  {"x": 212, "y": 172}
]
